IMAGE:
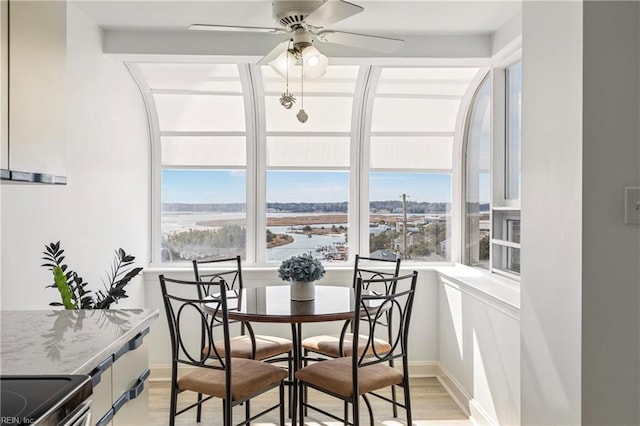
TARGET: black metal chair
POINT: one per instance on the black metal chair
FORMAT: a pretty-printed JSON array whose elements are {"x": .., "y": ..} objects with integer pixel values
[
  {"x": 214, "y": 373},
  {"x": 365, "y": 373},
  {"x": 248, "y": 344},
  {"x": 339, "y": 345}
]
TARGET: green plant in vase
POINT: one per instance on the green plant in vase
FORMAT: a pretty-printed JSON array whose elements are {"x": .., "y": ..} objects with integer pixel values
[{"x": 302, "y": 271}]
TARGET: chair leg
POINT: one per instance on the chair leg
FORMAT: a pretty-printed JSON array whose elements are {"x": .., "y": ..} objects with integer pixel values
[
  {"x": 366, "y": 401},
  {"x": 282, "y": 403},
  {"x": 174, "y": 406},
  {"x": 393, "y": 395},
  {"x": 407, "y": 400},
  {"x": 290, "y": 387},
  {"x": 355, "y": 410},
  {"x": 247, "y": 411},
  {"x": 199, "y": 408},
  {"x": 305, "y": 396}
]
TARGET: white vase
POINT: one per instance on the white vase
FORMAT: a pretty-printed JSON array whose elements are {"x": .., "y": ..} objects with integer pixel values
[{"x": 301, "y": 290}]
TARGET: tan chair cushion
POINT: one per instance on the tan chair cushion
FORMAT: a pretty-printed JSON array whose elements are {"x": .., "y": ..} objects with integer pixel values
[
  {"x": 248, "y": 377},
  {"x": 330, "y": 345},
  {"x": 335, "y": 376},
  {"x": 266, "y": 347}
]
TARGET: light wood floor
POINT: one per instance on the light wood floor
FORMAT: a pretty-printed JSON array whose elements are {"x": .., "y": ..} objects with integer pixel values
[{"x": 431, "y": 405}]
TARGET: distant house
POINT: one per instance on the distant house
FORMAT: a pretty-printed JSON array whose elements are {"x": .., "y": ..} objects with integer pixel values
[
  {"x": 375, "y": 230},
  {"x": 384, "y": 254}
]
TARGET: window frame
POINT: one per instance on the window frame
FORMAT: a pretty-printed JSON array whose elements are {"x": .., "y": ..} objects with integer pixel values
[
  {"x": 501, "y": 206},
  {"x": 359, "y": 164}
]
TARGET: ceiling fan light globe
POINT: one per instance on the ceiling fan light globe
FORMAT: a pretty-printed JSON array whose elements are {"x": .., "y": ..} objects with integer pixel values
[
  {"x": 282, "y": 62},
  {"x": 315, "y": 63}
]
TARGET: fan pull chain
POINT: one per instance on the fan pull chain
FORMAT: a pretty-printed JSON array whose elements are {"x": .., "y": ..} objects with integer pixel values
[
  {"x": 287, "y": 100},
  {"x": 302, "y": 115}
]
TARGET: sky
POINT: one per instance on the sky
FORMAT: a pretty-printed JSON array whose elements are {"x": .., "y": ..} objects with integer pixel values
[{"x": 224, "y": 186}]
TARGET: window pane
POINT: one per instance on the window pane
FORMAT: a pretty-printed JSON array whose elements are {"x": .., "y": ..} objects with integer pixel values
[
  {"x": 338, "y": 79},
  {"x": 308, "y": 151},
  {"x": 478, "y": 182},
  {"x": 203, "y": 214},
  {"x": 433, "y": 81},
  {"x": 307, "y": 213},
  {"x": 199, "y": 77},
  {"x": 412, "y": 152},
  {"x": 224, "y": 151},
  {"x": 506, "y": 259},
  {"x": 414, "y": 114},
  {"x": 421, "y": 224},
  {"x": 200, "y": 112},
  {"x": 514, "y": 130},
  {"x": 326, "y": 114},
  {"x": 507, "y": 226}
]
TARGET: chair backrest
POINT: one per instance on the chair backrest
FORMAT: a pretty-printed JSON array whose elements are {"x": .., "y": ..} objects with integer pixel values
[
  {"x": 186, "y": 310},
  {"x": 370, "y": 268},
  {"x": 228, "y": 269},
  {"x": 372, "y": 307}
]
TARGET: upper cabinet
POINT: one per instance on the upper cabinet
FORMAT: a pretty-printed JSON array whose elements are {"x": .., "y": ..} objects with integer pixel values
[{"x": 34, "y": 38}]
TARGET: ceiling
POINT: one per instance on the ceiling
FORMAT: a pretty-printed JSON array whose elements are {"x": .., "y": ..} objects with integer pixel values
[{"x": 379, "y": 17}]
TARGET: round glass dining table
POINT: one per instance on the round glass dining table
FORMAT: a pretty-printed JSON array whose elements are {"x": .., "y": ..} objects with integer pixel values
[{"x": 273, "y": 304}]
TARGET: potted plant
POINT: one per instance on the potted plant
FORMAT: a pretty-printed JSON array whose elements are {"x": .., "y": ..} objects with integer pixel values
[
  {"x": 73, "y": 290},
  {"x": 302, "y": 271}
]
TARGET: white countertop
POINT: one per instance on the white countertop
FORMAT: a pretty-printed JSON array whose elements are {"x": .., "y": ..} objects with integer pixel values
[{"x": 66, "y": 341}]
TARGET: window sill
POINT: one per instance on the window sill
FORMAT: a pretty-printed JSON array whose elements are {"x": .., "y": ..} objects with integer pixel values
[{"x": 499, "y": 292}]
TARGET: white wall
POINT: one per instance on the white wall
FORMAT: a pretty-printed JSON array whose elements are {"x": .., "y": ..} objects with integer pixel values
[
  {"x": 551, "y": 270},
  {"x": 610, "y": 249},
  {"x": 104, "y": 206},
  {"x": 580, "y": 276},
  {"x": 479, "y": 344}
]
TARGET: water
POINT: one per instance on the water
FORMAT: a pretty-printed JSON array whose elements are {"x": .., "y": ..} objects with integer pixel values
[
  {"x": 173, "y": 222},
  {"x": 301, "y": 244}
]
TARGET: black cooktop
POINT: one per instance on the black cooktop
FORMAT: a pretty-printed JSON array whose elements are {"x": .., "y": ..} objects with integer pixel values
[{"x": 41, "y": 399}]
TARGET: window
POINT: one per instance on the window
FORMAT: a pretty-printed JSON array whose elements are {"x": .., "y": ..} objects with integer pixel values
[
  {"x": 370, "y": 172},
  {"x": 202, "y": 134},
  {"x": 413, "y": 121},
  {"x": 308, "y": 165},
  {"x": 505, "y": 256},
  {"x": 478, "y": 183},
  {"x": 492, "y": 191},
  {"x": 514, "y": 131}
]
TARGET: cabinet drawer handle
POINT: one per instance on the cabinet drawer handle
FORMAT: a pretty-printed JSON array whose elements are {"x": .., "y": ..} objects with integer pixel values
[
  {"x": 96, "y": 374},
  {"x": 106, "y": 418},
  {"x": 124, "y": 398},
  {"x": 130, "y": 394},
  {"x": 139, "y": 386},
  {"x": 131, "y": 344}
]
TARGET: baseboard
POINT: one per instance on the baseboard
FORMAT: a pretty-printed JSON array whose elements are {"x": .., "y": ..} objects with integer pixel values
[
  {"x": 467, "y": 404},
  {"x": 455, "y": 390},
  {"x": 161, "y": 373}
]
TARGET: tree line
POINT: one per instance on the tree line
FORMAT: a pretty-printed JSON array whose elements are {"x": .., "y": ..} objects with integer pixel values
[{"x": 341, "y": 207}]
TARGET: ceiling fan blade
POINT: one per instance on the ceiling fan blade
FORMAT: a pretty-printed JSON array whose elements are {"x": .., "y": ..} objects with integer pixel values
[
  {"x": 281, "y": 47},
  {"x": 363, "y": 41},
  {"x": 332, "y": 11},
  {"x": 239, "y": 28}
]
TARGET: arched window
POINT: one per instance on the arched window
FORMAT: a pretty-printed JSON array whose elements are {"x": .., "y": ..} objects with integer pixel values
[
  {"x": 493, "y": 173},
  {"x": 369, "y": 172},
  {"x": 477, "y": 222}
]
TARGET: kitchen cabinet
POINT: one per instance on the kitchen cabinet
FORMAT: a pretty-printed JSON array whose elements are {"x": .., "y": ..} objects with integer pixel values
[
  {"x": 34, "y": 74},
  {"x": 119, "y": 396},
  {"x": 107, "y": 344}
]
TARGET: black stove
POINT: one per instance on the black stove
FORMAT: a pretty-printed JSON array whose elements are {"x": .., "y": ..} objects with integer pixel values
[{"x": 44, "y": 400}]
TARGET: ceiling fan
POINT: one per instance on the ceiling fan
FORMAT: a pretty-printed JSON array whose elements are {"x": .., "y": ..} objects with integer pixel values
[{"x": 306, "y": 21}]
